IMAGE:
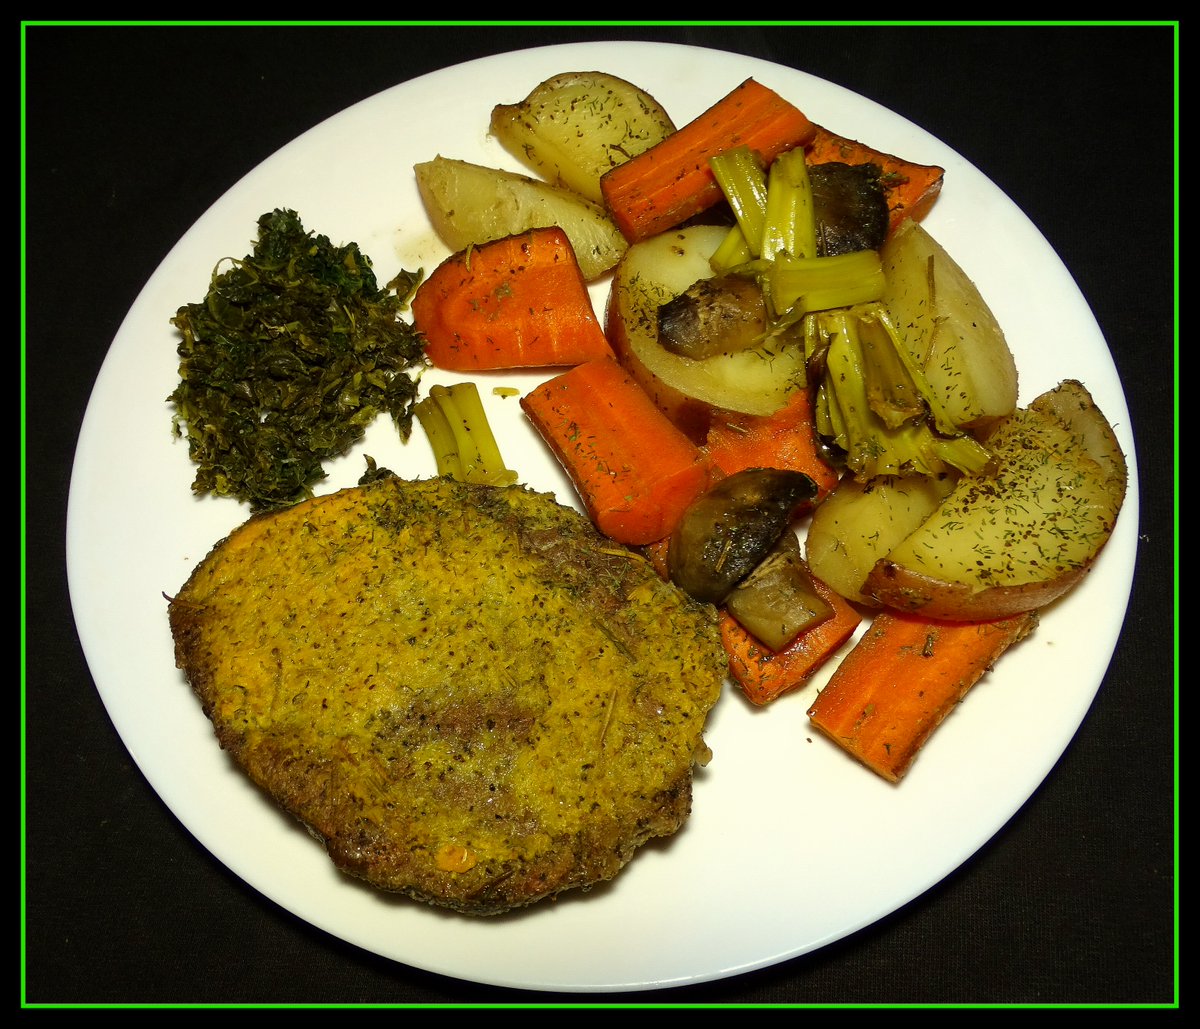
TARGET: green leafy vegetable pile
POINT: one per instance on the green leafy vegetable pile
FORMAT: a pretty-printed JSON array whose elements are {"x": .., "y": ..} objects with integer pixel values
[{"x": 290, "y": 356}]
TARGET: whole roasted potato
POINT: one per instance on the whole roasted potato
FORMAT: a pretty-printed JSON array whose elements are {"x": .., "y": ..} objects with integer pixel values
[
  {"x": 948, "y": 328},
  {"x": 1019, "y": 539},
  {"x": 656, "y": 270},
  {"x": 574, "y": 127},
  {"x": 469, "y": 204}
]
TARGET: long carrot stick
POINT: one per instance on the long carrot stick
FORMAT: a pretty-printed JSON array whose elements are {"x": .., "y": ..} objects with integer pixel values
[
  {"x": 670, "y": 182},
  {"x": 516, "y": 302},
  {"x": 903, "y": 677},
  {"x": 635, "y": 472}
]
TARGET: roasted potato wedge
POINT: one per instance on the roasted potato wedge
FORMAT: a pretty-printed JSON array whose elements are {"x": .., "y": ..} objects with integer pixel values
[
  {"x": 752, "y": 381},
  {"x": 574, "y": 127},
  {"x": 858, "y": 523},
  {"x": 468, "y": 203},
  {"x": 948, "y": 328},
  {"x": 1017, "y": 540}
]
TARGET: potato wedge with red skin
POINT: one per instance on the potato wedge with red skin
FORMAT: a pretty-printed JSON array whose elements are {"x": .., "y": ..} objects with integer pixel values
[
  {"x": 858, "y": 523},
  {"x": 688, "y": 390},
  {"x": 1021, "y": 538}
]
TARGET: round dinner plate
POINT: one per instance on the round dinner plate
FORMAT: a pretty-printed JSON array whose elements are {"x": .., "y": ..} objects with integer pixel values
[{"x": 791, "y": 844}]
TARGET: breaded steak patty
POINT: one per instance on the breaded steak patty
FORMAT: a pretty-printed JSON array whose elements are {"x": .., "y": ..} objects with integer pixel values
[{"x": 469, "y": 694}]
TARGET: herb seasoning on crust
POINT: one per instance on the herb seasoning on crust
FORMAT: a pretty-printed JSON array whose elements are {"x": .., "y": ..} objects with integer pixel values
[{"x": 469, "y": 694}]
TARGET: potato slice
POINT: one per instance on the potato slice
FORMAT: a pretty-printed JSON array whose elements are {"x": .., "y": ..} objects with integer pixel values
[
  {"x": 576, "y": 126},
  {"x": 468, "y": 203},
  {"x": 754, "y": 381},
  {"x": 948, "y": 328},
  {"x": 1015, "y": 541},
  {"x": 858, "y": 523}
]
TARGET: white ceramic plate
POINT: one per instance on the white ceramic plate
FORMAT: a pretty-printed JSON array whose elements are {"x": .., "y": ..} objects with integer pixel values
[{"x": 791, "y": 845}]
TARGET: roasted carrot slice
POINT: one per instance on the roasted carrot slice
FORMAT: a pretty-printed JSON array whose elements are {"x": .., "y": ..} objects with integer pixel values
[
  {"x": 635, "y": 472},
  {"x": 910, "y": 188},
  {"x": 670, "y": 182},
  {"x": 903, "y": 677},
  {"x": 785, "y": 439},
  {"x": 516, "y": 302},
  {"x": 765, "y": 675}
]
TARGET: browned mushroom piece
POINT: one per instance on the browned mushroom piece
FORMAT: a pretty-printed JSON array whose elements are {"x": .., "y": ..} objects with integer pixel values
[
  {"x": 777, "y": 601},
  {"x": 713, "y": 316},
  {"x": 850, "y": 207},
  {"x": 727, "y": 531}
]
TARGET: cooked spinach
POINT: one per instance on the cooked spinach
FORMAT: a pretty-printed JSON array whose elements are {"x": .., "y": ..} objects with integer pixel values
[{"x": 285, "y": 362}]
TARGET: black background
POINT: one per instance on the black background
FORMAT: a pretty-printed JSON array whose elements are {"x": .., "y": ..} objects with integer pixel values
[{"x": 132, "y": 133}]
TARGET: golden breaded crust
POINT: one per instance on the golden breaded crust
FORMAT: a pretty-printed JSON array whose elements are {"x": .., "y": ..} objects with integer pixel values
[{"x": 467, "y": 692}]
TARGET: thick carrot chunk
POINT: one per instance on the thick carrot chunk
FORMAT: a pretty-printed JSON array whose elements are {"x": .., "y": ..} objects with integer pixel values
[
  {"x": 785, "y": 440},
  {"x": 667, "y": 184},
  {"x": 635, "y": 472},
  {"x": 765, "y": 675},
  {"x": 910, "y": 188},
  {"x": 516, "y": 302}
]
